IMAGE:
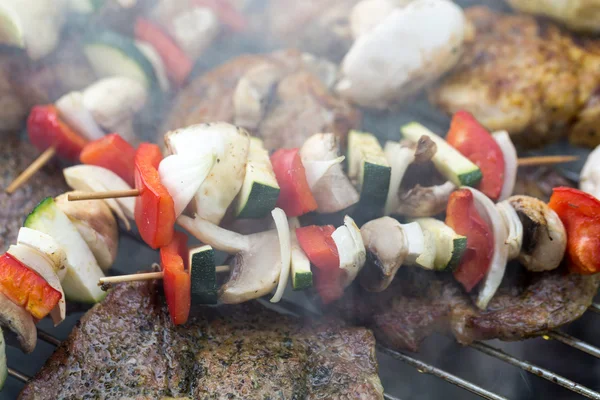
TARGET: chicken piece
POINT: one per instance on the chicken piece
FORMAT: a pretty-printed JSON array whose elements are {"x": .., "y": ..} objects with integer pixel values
[
  {"x": 579, "y": 15},
  {"x": 321, "y": 27},
  {"x": 533, "y": 80},
  {"x": 274, "y": 96}
]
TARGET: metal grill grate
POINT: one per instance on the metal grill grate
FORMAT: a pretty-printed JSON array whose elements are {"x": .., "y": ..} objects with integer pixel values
[{"x": 426, "y": 368}]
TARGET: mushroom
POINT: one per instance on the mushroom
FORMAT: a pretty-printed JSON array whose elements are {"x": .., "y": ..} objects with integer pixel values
[
  {"x": 425, "y": 201},
  {"x": 96, "y": 225},
  {"x": 19, "y": 321},
  {"x": 331, "y": 188},
  {"x": 385, "y": 242},
  {"x": 256, "y": 266},
  {"x": 544, "y": 236}
]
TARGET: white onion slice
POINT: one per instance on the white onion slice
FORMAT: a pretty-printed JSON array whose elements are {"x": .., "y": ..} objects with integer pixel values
[
  {"x": 492, "y": 218},
  {"x": 38, "y": 263},
  {"x": 315, "y": 170},
  {"x": 219, "y": 238},
  {"x": 589, "y": 180},
  {"x": 183, "y": 175},
  {"x": 74, "y": 113},
  {"x": 358, "y": 240},
  {"x": 514, "y": 227},
  {"x": 157, "y": 63},
  {"x": 46, "y": 245},
  {"x": 510, "y": 161},
  {"x": 399, "y": 157},
  {"x": 91, "y": 178},
  {"x": 414, "y": 242},
  {"x": 285, "y": 246}
]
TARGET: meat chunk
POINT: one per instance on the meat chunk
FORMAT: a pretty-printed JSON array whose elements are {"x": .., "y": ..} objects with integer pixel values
[
  {"x": 16, "y": 155},
  {"x": 126, "y": 347},
  {"x": 419, "y": 303},
  {"x": 527, "y": 77},
  {"x": 274, "y": 96}
]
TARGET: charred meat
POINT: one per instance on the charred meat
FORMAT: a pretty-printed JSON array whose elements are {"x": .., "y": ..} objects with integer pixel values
[{"x": 127, "y": 347}]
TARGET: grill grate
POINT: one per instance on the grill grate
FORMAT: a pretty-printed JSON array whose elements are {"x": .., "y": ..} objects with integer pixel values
[{"x": 426, "y": 368}]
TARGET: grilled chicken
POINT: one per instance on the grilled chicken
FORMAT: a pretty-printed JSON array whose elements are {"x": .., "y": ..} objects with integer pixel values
[
  {"x": 528, "y": 78},
  {"x": 275, "y": 96}
]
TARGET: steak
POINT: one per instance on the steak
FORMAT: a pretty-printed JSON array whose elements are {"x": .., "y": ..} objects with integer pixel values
[
  {"x": 126, "y": 347},
  {"x": 16, "y": 155}
]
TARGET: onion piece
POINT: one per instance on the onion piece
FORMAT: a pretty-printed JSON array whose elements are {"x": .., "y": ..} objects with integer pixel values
[
  {"x": 74, "y": 113},
  {"x": 492, "y": 218},
  {"x": 589, "y": 180},
  {"x": 285, "y": 246},
  {"x": 399, "y": 157},
  {"x": 219, "y": 238},
  {"x": 157, "y": 63},
  {"x": 358, "y": 240},
  {"x": 91, "y": 178},
  {"x": 38, "y": 263},
  {"x": 46, "y": 245},
  {"x": 510, "y": 161},
  {"x": 414, "y": 242},
  {"x": 315, "y": 170},
  {"x": 514, "y": 227},
  {"x": 182, "y": 176}
]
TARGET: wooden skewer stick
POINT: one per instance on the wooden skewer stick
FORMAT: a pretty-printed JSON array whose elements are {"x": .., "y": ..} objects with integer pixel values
[
  {"x": 545, "y": 160},
  {"x": 148, "y": 276},
  {"x": 114, "y": 194},
  {"x": 31, "y": 170}
]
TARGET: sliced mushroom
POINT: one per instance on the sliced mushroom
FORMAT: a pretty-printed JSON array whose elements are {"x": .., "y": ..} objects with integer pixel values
[
  {"x": 333, "y": 191},
  {"x": 252, "y": 93},
  {"x": 385, "y": 241},
  {"x": 96, "y": 224},
  {"x": 544, "y": 236},
  {"x": 425, "y": 201},
  {"x": 19, "y": 321}
]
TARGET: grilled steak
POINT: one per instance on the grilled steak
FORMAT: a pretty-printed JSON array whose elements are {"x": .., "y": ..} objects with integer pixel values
[
  {"x": 16, "y": 155},
  {"x": 278, "y": 98},
  {"x": 419, "y": 303},
  {"x": 126, "y": 347}
]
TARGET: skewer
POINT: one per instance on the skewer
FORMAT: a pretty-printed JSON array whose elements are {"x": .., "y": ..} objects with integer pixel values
[
  {"x": 31, "y": 170},
  {"x": 114, "y": 194},
  {"x": 545, "y": 160},
  {"x": 148, "y": 276}
]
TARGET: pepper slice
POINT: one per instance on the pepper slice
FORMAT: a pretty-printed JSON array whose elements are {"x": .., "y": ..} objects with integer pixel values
[
  {"x": 26, "y": 288},
  {"x": 154, "y": 208},
  {"x": 177, "y": 62},
  {"x": 113, "y": 153},
  {"x": 462, "y": 216},
  {"x": 177, "y": 282},
  {"x": 580, "y": 214},
  {"x": 317, "y": 243},
  {"x": 473, "y": 141},
  {"x": 46, "y": 130},
  {"x": 295, "y": 197}
]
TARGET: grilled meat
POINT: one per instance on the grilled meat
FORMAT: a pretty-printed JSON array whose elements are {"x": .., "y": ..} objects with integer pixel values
[
  {"x": 126, "y": 347},
  {"x": 274, "y": 96},
  {"x": 16, "y": 155},
  {"x": 526, "y": 77},
  {"x": 419, "y": 303}
]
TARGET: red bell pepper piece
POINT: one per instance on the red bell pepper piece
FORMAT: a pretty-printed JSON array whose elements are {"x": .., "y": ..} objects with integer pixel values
[
  {"x": 113, "y": 153},
  {"x": 473, "y": 141},
  {"x": 26, "y": 288},
  {"x": 580, "y": 214},
  {"x": 154, "y": 208},
  {"x": 226, "y": 13},
  {"x": 177, "y": 282},
  {"x": 295, "y": 197},
  {"x": 178, "y": 64},
  {"x": 45, "y": 130},
  {"x": 462, "y": 216},
  {"x": 317, "y": 243}
]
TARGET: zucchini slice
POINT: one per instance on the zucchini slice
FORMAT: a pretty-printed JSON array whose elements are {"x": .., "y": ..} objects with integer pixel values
[
  {"x": 260, "y": 189},
  {"x": 368, "y": 168},
  {"x": 203, "y": 275},
  {"x": 447, "y": 160},
  {"x": 450, "y": 246},
  {"x": 111, "y": 54},
  {"x": 3, "y": 364},
  {"x": 81, "y": 281}
]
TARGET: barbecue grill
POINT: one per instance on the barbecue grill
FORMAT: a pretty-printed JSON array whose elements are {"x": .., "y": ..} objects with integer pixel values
[{"x": 559, "y": 365}]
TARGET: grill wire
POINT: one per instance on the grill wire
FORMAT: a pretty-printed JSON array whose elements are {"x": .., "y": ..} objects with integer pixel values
[{"x": 426, "y": 368}]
